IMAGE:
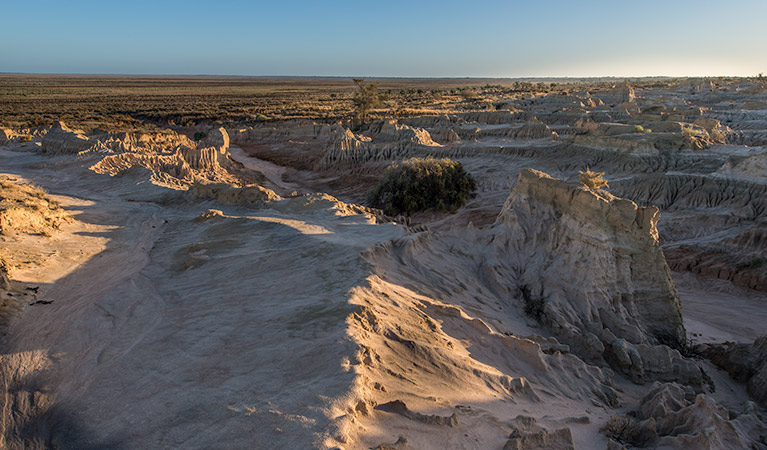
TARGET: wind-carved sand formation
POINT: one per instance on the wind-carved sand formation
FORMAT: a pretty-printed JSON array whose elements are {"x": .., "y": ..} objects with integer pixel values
[{"x": 164, "y": 293}]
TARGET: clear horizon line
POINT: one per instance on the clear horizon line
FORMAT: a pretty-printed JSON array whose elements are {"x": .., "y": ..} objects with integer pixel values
[{"x": 548, "y": 77}]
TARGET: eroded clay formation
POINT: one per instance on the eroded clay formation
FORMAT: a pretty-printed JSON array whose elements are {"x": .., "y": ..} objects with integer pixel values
[{"x": 248, "y": 269}]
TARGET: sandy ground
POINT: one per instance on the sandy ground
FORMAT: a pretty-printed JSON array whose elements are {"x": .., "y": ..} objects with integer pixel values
[
  {"x": 273, "y": 173},
  {"x": 221, "y": 334},
  {"x": 239, "y": 331},
  {"x": 716, "y": 311}
]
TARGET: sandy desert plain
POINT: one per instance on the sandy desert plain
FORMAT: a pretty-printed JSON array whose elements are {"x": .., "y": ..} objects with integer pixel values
[{"x": 195, "y": 263}]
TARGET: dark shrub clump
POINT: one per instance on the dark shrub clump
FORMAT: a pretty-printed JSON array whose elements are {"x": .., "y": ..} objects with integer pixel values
[
  {"x": 199, "y": 136},
  {"x": 418, "y": 184}
]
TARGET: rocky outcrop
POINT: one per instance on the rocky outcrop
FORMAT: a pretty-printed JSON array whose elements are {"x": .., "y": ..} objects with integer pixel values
[
  {"x": 432, "y": 122},
  {"x": 448, "y": 136},
  {"x": 527, "y": 130},
  {"x": 348, "y": 141},
  {"x": 399, "y": 407},
  {"x": 489, "y": 117},
  {"x": 392, "y": 132},
  {"x": 700, "y": 85},
  {"x": 526, "y": 434},
  {"x": 581, "y": 263},
  {"x": 746, "y": 363},
  {"x": 4, "y": 136},
  {"x": 210, "y": 153},
  {"x": 652, "y": 137},
  {"x": 630, "y": 146},
  {"x": 752, "y": 138},
  {"x": 590, "y": 102},
  {"x": 752, "y": 167},
  {"x": 217, "y": 139},
  {"x": 178, "y": 170},
  {"x": 717, "y": 133},
  {"x": 348, "y": 148},
  {"x": 205, "y": 162},
  {"x": 253, "y": 196},
  {"x": 620, "y": 93},
  {"x": 138, "y": 142},
  {"x": 293, "y": 129},
  {"x": 532, "y": 130},
  {"x": 62, "y": 140},
  {"x": 630, "y": 108},
  {"x": 672, "y": 416},
  {"x": 688, "y": 191},
  {"x": 205, "y": 158},
  {"x": 588, "y": 265},
  {"x": 172, "y": 165},
  {"x": 390, "y": 140}
]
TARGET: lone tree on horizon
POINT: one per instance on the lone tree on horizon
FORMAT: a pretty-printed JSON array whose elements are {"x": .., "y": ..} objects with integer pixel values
[{"x": 367, "y": 98}]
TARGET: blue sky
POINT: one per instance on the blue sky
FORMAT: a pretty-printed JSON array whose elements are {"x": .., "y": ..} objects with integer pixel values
[{"x": 393, "y": 38}]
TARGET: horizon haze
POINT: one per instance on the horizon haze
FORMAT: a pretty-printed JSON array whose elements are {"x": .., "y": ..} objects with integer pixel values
[{"x": 490, "y": 39}]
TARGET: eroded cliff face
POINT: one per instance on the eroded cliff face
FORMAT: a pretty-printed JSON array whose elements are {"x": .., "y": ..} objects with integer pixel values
[
  {"x": 746, "y": 363},
  {"x": 524, "y": 332},
  {"x": 581, "y": 263},
  {"x": 566, "y": 288},
  {"x": 385, "y": 140},
  {"x": 202, "y": 162},
  {"x": 63, "y": 140},
  {"x": 590, "y": 264},
  {"x": 673, "y": 416}
]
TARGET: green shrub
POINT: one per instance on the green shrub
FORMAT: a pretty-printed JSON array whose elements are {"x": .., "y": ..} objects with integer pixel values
[
  {"x": 199, "y": 135},
  {"x": 756, "y": 263},
  {"x": 418, "y": 184},
  {"x": 534, "y": 306},
  {"x": 367, "y": 98}
]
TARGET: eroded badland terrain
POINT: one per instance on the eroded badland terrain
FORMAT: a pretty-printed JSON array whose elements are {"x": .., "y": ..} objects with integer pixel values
[{"x": 196, "y": 263}]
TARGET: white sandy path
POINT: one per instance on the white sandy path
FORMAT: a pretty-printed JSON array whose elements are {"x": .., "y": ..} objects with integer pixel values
[
  {"x": 229, "y": 333},
  {"x": 271, "y": 171}
]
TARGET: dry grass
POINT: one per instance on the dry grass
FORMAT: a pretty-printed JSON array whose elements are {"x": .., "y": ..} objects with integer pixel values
[
  {"x": 28, "y": 209},
  {"x": 135, "y": 102},
  {"x": 593, "y": 179}
]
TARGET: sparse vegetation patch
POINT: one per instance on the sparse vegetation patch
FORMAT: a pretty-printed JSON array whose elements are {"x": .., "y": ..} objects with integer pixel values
[
  {"x": 534, "y": 306},
  {"x": 418, "y": 184},
  {"x": 198, "y": 136},
  {"x": 28, "y": 209},
  {"x": 367, "y": 98},
  {"x": 593, "y": 180}
]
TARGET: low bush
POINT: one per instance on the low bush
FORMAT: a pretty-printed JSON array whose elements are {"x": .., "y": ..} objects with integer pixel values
[
  {"x": 756, "y": 263},
  {"x": 199, "y": 136},
  {"x": 418, "y": 184},
  {"x": 534, "y": 306}
]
